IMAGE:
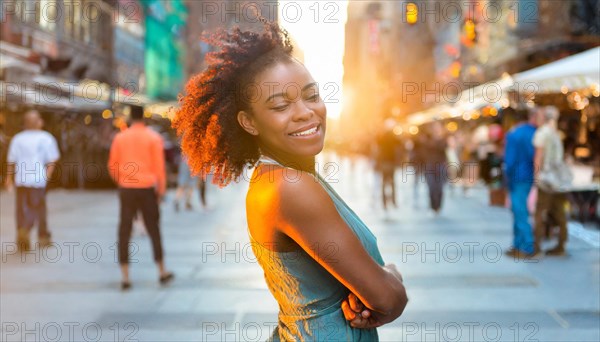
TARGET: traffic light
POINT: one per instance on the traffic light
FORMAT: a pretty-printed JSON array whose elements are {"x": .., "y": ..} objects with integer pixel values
[{"x": 412, "y": 13}]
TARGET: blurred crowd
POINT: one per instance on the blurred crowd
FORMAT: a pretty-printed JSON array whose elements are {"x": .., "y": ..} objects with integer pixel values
[{"x": 523, "y": 165}]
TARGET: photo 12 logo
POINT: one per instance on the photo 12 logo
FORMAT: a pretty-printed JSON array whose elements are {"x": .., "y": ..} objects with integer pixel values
[
  {"x": 414, "y": 12},
  {"x": 67, "y": 252},
  {"x": 468, "y": 331},
  {"x": 327, "y": 12},
  {"x": 68, "y": 331},
  {"x": 250, "y": 331},
  {"x": 50, "y": 13}
]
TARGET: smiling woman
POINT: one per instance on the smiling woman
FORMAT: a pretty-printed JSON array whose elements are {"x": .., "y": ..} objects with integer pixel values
[
  {"x": 289, "y": 115},
  {"x": 256, "y": 105}
]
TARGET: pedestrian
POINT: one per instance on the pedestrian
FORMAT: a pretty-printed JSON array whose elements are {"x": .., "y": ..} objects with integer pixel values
[
  {"x": 469, "y": 171},
  {"x": 137, "y": 165},
  {"x": 256, "y": 105},
  {"x": 185, "y": 185},
  {"x": 385, "y": 160},
  {"x": 417, "y": 162},
  {"x": 518, "y": 173},
  {"x": 453, "y": 162},
  {"x": 434, "y": 155},
  {"x": 202, "y": 180},
  {"x": 3, "y": 149},
  {"x": 484, "y": 147},
  {"x": 553, "y": 176},
  {"x": 32, "y": 157}
]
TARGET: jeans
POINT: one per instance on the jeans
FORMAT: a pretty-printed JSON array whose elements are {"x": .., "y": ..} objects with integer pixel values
[
  {"x": 31, "y": 208},
  {"x": 523, "y": 235}
]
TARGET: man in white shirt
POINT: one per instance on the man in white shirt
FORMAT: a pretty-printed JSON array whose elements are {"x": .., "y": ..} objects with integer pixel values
[
  {"x": 549, "y": 151},
  {"x": 31, "y": 159}
]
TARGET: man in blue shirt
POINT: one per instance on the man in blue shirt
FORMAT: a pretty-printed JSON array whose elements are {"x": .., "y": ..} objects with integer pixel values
[{"x": 518, "y": 170}]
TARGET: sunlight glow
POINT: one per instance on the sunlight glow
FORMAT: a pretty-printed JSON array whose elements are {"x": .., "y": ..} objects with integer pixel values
[{"x": 318, "y": 29}]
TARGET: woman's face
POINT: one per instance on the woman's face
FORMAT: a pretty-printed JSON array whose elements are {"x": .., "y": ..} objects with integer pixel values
[{"x": 287, "y": 113}]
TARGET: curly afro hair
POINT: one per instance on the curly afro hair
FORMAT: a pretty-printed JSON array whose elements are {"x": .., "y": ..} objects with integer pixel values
[{"x": 206, "y": 121}]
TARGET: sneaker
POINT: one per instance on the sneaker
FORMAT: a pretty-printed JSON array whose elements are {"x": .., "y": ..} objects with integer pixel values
[
  {"x": 23, "y": 243},
  {"x": 556, "y": 251}
]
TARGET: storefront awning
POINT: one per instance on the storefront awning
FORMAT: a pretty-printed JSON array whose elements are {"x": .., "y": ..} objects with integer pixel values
[
  {"x": 7, "y": 61},
  {"x": 40, "y": 97},
  {"x": 575, "y": 72},
  {"x": 492, "y": 93},
  {"x": 164, "y": 109}
]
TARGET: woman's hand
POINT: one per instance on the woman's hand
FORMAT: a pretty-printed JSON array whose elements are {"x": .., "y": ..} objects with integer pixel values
[{"x": 359, "y": 316}]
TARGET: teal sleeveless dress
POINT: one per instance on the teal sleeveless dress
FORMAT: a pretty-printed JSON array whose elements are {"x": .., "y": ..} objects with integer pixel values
[{"x": 309, "y": 297}]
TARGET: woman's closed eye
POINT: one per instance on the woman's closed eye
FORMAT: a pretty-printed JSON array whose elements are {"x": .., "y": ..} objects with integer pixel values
[
  {"x": 314, "y": 98},
  {"x": 280, "y": 107}
]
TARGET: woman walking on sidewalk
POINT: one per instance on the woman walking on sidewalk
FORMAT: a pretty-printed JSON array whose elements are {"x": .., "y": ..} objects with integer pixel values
[
  {"x": 435, "y": 166},
  {"x": 257, "y": 105},
  {"x": 185, "y": 186}
]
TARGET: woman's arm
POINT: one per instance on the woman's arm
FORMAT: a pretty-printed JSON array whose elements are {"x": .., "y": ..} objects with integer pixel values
[
  {"x": 359, "y": 316},
  {"x": 306, "y": 214}
]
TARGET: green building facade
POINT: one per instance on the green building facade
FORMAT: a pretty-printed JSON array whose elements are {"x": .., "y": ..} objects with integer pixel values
[{"x": 165, "y": 48}]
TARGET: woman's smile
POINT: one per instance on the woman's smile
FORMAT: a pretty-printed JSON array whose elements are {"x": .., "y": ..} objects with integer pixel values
[{"x": 309, "y": 131}]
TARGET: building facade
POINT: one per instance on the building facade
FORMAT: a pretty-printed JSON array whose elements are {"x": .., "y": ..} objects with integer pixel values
[
  {"x": 57, "y": 57},
  {"x": 165, "y": 48},
  {"x": 129, "y": 46}
]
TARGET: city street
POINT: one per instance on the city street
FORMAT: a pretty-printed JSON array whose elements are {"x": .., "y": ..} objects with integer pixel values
[{"x": 461, "y": 287}]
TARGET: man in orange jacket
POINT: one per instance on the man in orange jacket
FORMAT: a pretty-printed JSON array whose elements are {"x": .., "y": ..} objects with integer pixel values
[{"x": 137, "y": 165}]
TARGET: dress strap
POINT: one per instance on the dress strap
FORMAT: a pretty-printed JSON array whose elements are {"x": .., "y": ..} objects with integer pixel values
[{"x": 269, "y": 161}]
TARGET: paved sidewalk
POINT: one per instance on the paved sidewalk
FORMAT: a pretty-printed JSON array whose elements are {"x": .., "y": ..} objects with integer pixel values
[{"x": 461, "y": 287}]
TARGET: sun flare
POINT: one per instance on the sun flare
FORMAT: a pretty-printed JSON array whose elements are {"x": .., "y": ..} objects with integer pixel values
[{"x": 318, "y": 29}]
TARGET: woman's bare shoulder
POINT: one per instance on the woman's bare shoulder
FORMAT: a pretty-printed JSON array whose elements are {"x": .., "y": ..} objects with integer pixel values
[
  {"x": 277, "y": 198},
  {"x": 285, "y": 189},
  {"x": 282, "y": 180}
]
